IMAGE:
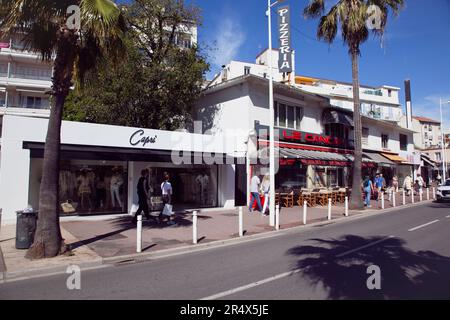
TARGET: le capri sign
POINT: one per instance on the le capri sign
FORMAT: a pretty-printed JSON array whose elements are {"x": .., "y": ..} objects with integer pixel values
[{"x": 284, "y": 28}]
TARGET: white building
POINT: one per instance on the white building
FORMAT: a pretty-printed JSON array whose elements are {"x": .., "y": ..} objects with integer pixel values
[
  {"x": 315, "y": 137},
  {"x": 380, "y": 103},
  {"x": 428, "y": 133},
  {"x": 101, "y": 165},
  {"x": 25, "y": 80}
]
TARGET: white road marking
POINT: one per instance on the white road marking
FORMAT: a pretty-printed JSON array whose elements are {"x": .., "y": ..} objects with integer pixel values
[
  {"x": 448, "y": 217},
  {"x": 364, "y": 247},
  {"x": 423, "y": 226},
  {"x": 251, "y": 285}
]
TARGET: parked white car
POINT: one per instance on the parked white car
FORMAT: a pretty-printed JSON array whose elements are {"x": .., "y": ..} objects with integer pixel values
[{"x": 443, "y": 192}]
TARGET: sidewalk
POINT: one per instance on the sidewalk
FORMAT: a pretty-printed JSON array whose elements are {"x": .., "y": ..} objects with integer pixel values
[
  {"x": 15, "y": 262},
  {"x": 93, "y": 240}
]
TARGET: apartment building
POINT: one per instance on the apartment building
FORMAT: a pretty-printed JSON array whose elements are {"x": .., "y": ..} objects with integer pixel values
[
  {"x": 25, "y": 80},
  {"x": 379, "y": 103},
  {"x": 429, "y": 133}
]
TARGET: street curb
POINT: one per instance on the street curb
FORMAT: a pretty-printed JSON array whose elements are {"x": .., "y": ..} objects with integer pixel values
[
  {"x": 49, "y": 271},
  {"x": 6, "y": 276}
]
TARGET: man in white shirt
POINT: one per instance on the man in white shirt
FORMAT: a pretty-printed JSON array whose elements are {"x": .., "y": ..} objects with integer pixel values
[
  {"x": 254, "y": 190},
  {"x": 420, "y": 182},
  {"x": 167, "y": 192}
]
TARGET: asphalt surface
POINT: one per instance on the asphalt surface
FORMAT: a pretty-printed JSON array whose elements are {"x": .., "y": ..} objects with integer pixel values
[{"x": 410, "y": 246}]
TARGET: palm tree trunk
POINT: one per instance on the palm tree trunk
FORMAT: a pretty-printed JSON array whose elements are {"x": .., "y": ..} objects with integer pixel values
[
  {"x": 48, "y": 241},
  {"x": 356, "y": 202}
]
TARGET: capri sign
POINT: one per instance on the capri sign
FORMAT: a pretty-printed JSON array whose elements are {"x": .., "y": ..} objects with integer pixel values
[{"x": 284, "y": 28}]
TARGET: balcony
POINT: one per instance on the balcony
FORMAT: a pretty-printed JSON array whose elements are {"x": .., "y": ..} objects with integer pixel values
[{"x": 381, "y": 113}]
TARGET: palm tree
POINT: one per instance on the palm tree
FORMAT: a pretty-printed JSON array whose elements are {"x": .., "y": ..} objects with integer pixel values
[
  {"x": 43, "y": 24},
  {"x": 351, "y": 17}
]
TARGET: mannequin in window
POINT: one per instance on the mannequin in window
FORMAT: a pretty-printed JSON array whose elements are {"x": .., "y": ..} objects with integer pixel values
[
  {"x": 116, "y": 183},
  {"x": 84, "y": 189},
  {"x": 202, "y": 181}
]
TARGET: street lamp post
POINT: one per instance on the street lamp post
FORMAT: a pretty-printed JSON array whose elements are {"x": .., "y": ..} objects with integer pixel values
[
  {"x": 444, "y": 158},
  {"x": 272, "y": 117}
]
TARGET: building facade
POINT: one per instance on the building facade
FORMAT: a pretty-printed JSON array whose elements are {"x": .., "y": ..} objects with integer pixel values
[
  {"x": 25, "y": 80},
  {"x": 315, "y": 138},
  {"x": 428, "y": 133},
  {"x": 101, "y": 164}
]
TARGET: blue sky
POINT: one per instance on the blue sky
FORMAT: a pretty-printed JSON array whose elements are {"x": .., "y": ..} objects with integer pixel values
[{"x": 416, "y": 46}]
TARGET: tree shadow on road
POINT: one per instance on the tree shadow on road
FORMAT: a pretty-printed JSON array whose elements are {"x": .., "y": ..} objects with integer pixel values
[{"x": 405, "y": 274}]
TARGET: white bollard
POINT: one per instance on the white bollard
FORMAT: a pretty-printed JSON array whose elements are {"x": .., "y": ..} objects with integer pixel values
[
  {"x": 420, "y": 195},
  {"x": 305, "y": 212},
  {"x": 277, "y": 218},
  {"x": 428, "y": 194},
  {"x": 346, "y": 206},
  {"x": 329, "y": 209},
  {"x": 139, "y": 234},
  {"x": 241, "y": 222},
  {"x": 194, "y": 227},
  {"x": 382, "y": 200},
  {"x": 394, "y": 195},
  {"x": 404, "y": 197}
]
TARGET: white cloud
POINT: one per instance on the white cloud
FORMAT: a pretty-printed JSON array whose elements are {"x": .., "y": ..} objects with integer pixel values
[
  {"x": 429, "y": 107},
  {"x": 230, "y": 38}
]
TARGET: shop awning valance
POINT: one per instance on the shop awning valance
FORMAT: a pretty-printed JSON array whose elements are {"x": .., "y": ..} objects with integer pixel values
[
  {"x": 335, "y": 116},
  {"x": 382, "y": 161},
  {"x": 428, "y": 161},
  {"x": 309, "y": 157},
  {"x": 394, "y": 157}
]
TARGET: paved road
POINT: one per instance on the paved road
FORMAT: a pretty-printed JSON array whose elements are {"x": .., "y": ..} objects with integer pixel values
[{"x": 410, "y": 246}]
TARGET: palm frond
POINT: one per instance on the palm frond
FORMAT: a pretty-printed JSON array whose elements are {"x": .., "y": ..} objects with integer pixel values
[{"x": 314, "y": 9}]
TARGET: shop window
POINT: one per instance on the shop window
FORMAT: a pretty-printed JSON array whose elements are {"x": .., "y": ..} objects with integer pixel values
[
  {"x": 287, "y": 116},
  {"x": 291, "y": 177},
  {"x": 276, "y": 114},
  {"x": 385, "y": 141},
  {"x": 192, "y": 187},
  {"x": 298, "y": 117},
  {"x": 290, "y": 116},
  {"x": 92, "y": 187},
  {"x": 337, "y": 130},
  {"x": 365, "y": 136},
  {"x": 403, "y": 142},
  {"x": 2, "y": 99},
  {"x": 282, "y": 115},
  {"x": 335, "y": 177},
  {"x": 247, "y": 70},
  {"x": 438, "y": 157}
]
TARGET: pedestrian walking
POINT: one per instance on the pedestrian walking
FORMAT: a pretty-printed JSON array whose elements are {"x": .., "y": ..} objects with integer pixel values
[
  {"x": 379, "y": 181},
  {"x": 265, "y": 186},
  {"x": 142, "y": 191},
  {"x": 420, "y": 183},
  {"x": 167, "y": 194},
  {"x": 368, "y": 189},
  {"x": 254, "y": 189},
  {"x": 407, "y": 185},
  {"x": 395, "y": 183}
]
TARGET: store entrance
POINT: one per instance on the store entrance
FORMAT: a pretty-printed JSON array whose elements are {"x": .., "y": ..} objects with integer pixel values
[{"x": 193, "y": 187}]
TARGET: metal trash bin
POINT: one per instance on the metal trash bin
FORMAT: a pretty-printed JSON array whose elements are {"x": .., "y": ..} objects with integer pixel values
[{"x": 25, "y": 229}]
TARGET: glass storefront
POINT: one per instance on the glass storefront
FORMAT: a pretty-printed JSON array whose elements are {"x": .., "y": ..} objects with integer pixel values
[
  {"x": 86, "y": 186},
  {"x": 193, "y": 187},
  {"x": 291, "y": 177}
]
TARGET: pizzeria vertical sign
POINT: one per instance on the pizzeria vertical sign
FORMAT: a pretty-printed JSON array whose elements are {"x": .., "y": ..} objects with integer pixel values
[{"x": 284, "y": 27}]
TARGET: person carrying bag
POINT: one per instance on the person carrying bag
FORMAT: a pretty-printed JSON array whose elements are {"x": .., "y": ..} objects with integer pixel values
[{"x": 167, "y": 192}]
